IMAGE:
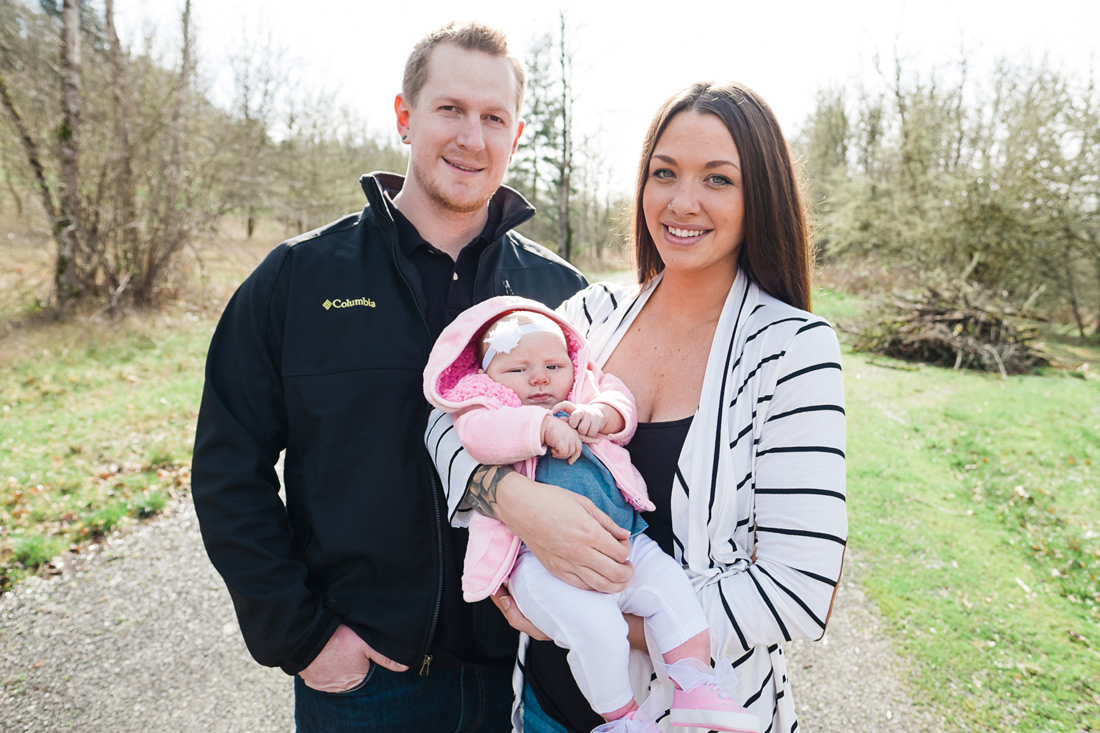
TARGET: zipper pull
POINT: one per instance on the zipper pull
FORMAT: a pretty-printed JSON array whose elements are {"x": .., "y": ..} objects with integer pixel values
[
  {"x": 425, "y": 664},
  {"x": 508, "y": 288}
]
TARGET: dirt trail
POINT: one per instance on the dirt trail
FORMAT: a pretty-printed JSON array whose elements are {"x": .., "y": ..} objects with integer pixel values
[{"x": 142, "y": 638}]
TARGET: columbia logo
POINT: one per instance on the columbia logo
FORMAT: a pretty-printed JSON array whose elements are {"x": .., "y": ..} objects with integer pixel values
[{"x": 348, "y": 303}]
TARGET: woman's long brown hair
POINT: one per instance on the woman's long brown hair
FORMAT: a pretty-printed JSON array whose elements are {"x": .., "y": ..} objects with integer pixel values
[{"x": 776, "y": 251}]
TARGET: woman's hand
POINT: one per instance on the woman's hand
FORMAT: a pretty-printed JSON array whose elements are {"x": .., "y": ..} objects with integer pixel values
[
  {"x": 572, "y": 539},
  {"x": 507, "y": 605}
]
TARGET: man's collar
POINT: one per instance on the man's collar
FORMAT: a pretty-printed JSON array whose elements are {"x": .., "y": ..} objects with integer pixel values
[
  {"x": 409, "y": 238},
  {"x": 513, "y": 208}
]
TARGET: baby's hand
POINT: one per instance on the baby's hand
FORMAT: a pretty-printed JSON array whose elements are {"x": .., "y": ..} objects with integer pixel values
[
  {"x": 588, "y": 420},
  {"x": 563, "y": 441}
]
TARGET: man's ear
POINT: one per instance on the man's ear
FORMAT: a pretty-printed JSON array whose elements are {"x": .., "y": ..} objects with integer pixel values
[
  {"x": 402, "y": 110},
  {"x": 519, "y": 131}
]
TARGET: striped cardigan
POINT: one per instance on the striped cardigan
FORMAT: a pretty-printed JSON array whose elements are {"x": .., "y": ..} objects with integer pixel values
[{"x": 758, "y": 501}]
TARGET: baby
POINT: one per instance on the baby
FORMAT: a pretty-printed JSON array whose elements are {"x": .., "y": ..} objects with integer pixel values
[{"x": 520, "y": 383}]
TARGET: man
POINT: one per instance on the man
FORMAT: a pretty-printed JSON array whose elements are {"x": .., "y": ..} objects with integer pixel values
[{"x": 353, "y": 584}]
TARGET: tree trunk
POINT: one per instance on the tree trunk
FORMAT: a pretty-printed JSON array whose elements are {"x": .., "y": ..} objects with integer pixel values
[
  {"x": 173, "y": 227},
  {"x": 1096, "y": 331},
  {"x": 565, "y": 168},
  {"x": 124, "y": 183},
  {"x": 68, "y": 278},
  {"x": 31, "y": 150},
  {"x": 1071, "y": 284}
]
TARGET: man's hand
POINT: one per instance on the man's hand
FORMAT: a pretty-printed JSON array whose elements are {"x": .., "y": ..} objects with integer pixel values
[
  {"x": 573, "y": 539},
  {"x": 344, "y": 663},
  {"x": 507, "y": 605},
  {"x": 563, "y": 441}
]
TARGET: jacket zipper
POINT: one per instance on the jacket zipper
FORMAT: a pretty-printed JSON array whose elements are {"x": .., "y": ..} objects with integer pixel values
[
  {"x": 426, "y": 660},
  {"x": 477, "y": 270}
]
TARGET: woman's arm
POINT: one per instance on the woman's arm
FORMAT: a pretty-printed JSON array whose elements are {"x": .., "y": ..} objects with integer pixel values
[
  {"x": 571, "y": 537},
  {"x": 801, "y": 526},
  {"x": 453, "y": 464}
]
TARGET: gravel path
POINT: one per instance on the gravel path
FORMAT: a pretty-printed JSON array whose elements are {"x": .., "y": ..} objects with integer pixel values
[{"x": 141, "y": 637}]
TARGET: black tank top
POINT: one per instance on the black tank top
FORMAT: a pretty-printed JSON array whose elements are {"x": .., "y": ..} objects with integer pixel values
[{"x": 654, "y": 450}]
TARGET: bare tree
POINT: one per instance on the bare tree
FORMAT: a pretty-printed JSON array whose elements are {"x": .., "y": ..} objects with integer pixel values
[
  {"x": 126, "y": 231},
  {"x": 170, "y": 229},
  {"x": 546, "y": 169},
  {"x": 129, "y": 159},
  {"x": 68, "y": 279},
  {"x": 260, "y": 78},
  {"x": 30, "y": 149},
  {"x": 1002, "y": 192},
  {"x": 565, "y": 156}
]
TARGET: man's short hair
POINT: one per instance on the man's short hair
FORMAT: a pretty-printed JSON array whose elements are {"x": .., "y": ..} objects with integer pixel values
[{"x": 470, "y": 36}]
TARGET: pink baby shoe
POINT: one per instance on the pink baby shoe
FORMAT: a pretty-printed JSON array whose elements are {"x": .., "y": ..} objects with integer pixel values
[{"x": 702, "y": 698}]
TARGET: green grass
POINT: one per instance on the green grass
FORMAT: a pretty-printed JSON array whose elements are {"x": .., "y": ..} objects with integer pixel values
[
  {"x": 96, "y": 427},
  {"x": 835, "y": 306},
  {"x": 975, "y": 507}
]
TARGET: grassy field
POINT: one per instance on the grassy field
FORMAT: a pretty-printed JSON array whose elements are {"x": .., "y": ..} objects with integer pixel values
[
  {"x": 974, "y": 502},
  {"x": 975, "y": 507},
  {"x": 97, "y": 414}
]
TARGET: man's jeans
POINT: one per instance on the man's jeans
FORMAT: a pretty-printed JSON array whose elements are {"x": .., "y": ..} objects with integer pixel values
[{"x": 447, "y": 701}]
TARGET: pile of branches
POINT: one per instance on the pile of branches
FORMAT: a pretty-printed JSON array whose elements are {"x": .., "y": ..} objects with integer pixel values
[{"x": 960, "y": 326}]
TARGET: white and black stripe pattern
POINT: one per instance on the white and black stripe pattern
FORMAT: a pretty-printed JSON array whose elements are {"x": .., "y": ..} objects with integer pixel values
[
  {"x": 762, "y": 472},
  {"x": 758, "y": 497},
  {"x": 453, "y": 464}
]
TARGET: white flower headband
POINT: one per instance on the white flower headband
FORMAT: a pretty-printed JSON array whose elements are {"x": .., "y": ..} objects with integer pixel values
[{"x": 505, "y": 336}]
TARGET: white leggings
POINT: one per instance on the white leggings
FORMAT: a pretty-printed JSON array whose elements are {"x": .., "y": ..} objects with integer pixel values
[{"x": 591, "y": 626}]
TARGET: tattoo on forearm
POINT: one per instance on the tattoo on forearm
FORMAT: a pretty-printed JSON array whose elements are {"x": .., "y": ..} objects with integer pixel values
[{"x": 482, "y": 493}]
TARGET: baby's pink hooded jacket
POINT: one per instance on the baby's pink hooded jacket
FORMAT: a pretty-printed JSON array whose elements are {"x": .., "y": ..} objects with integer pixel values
[{"x": 497, "y": 429}]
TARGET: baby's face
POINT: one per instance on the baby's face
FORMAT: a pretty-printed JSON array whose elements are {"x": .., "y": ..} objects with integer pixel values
[{"x": 538, "y": 369}]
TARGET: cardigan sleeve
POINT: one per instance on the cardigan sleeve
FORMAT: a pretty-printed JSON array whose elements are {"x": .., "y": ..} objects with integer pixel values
[
  {"x": 453, "y": 464},
  {"x": 786, "y": 590}
]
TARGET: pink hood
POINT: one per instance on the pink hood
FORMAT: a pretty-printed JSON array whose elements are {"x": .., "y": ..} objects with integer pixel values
[{"x": 451, "y": 381}]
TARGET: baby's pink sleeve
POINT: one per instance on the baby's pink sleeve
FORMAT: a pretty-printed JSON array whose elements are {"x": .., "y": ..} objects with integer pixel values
[
  {"x": 501, "y": 436},
  {"x": 614, "y": 394}
]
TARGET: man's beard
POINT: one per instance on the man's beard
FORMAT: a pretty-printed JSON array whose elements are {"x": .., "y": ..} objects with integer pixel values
[{"x": 447, "y": 202}]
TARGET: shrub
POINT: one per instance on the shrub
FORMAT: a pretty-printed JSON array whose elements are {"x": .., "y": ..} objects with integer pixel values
[{"x": 960, "y": 326}]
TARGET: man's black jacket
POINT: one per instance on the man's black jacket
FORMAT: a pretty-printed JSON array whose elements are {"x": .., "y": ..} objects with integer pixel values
[{"x": 320, "y": 353}]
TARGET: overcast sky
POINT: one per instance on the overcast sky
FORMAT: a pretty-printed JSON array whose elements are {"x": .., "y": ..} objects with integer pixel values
[{"x": 629, "y": 57}]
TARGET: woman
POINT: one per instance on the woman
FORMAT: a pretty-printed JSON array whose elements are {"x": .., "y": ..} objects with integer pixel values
[{"x": 739, "y": 394}]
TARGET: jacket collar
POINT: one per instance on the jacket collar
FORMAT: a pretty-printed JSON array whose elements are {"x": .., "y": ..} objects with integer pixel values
[{"x": 513, "y": 207}]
